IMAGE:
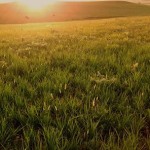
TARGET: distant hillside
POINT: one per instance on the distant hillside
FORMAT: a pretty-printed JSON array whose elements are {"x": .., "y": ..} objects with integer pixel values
[
  {"x": 12, "y": 13},
  {"x": 147, "y": 2}
]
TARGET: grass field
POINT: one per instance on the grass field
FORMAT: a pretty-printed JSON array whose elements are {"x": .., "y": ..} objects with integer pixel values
[{"x": 75, "y": 85}]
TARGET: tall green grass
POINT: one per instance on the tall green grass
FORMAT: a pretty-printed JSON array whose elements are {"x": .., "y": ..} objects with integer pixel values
[{"x": 75, "y": 85}]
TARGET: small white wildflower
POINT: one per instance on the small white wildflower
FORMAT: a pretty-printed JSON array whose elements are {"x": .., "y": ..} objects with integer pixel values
[
  {"x": 65, "y": 87},
  {"x": 94, "y": 103},
  {"x": 134, "y": 66},
  {"x": 56, "y": 108},
  {"x": 52, "y": 96},
  {"x": 60, "y": 91}
]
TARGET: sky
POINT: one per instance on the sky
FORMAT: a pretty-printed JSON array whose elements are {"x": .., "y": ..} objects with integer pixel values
[{"x": 5, "y": 1}]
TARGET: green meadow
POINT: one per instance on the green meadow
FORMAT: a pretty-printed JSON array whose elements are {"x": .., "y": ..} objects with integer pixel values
[{"x": 80, "y": 85}]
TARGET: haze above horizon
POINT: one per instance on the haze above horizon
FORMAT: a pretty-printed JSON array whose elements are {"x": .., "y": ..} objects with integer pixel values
[{"x": 6, "y": 1}]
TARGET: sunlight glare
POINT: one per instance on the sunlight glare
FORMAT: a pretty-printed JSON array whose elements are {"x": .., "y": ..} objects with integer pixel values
[{"x": 36, "y": 4}]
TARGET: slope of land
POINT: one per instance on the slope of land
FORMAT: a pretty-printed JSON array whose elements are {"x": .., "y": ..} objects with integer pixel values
[
  {"x": 65, "y": 11},
  {"x": 75, "y": 85}
]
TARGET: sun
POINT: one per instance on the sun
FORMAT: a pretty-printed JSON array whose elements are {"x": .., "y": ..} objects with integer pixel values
[{"x": 35, "y": 4}]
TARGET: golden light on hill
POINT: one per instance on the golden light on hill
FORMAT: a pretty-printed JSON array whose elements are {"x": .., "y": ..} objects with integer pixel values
[{"x": 36, "y": 5}]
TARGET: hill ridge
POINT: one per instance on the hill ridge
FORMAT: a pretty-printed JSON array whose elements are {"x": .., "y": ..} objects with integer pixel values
[{"x": 13, "y": 13}]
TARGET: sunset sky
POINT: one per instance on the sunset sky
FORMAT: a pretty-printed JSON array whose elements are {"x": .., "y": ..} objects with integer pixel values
[{"x": 5, "y": 1}]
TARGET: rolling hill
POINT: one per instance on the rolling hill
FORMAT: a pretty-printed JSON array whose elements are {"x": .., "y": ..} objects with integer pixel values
[{"x": 13, "y": 13}]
